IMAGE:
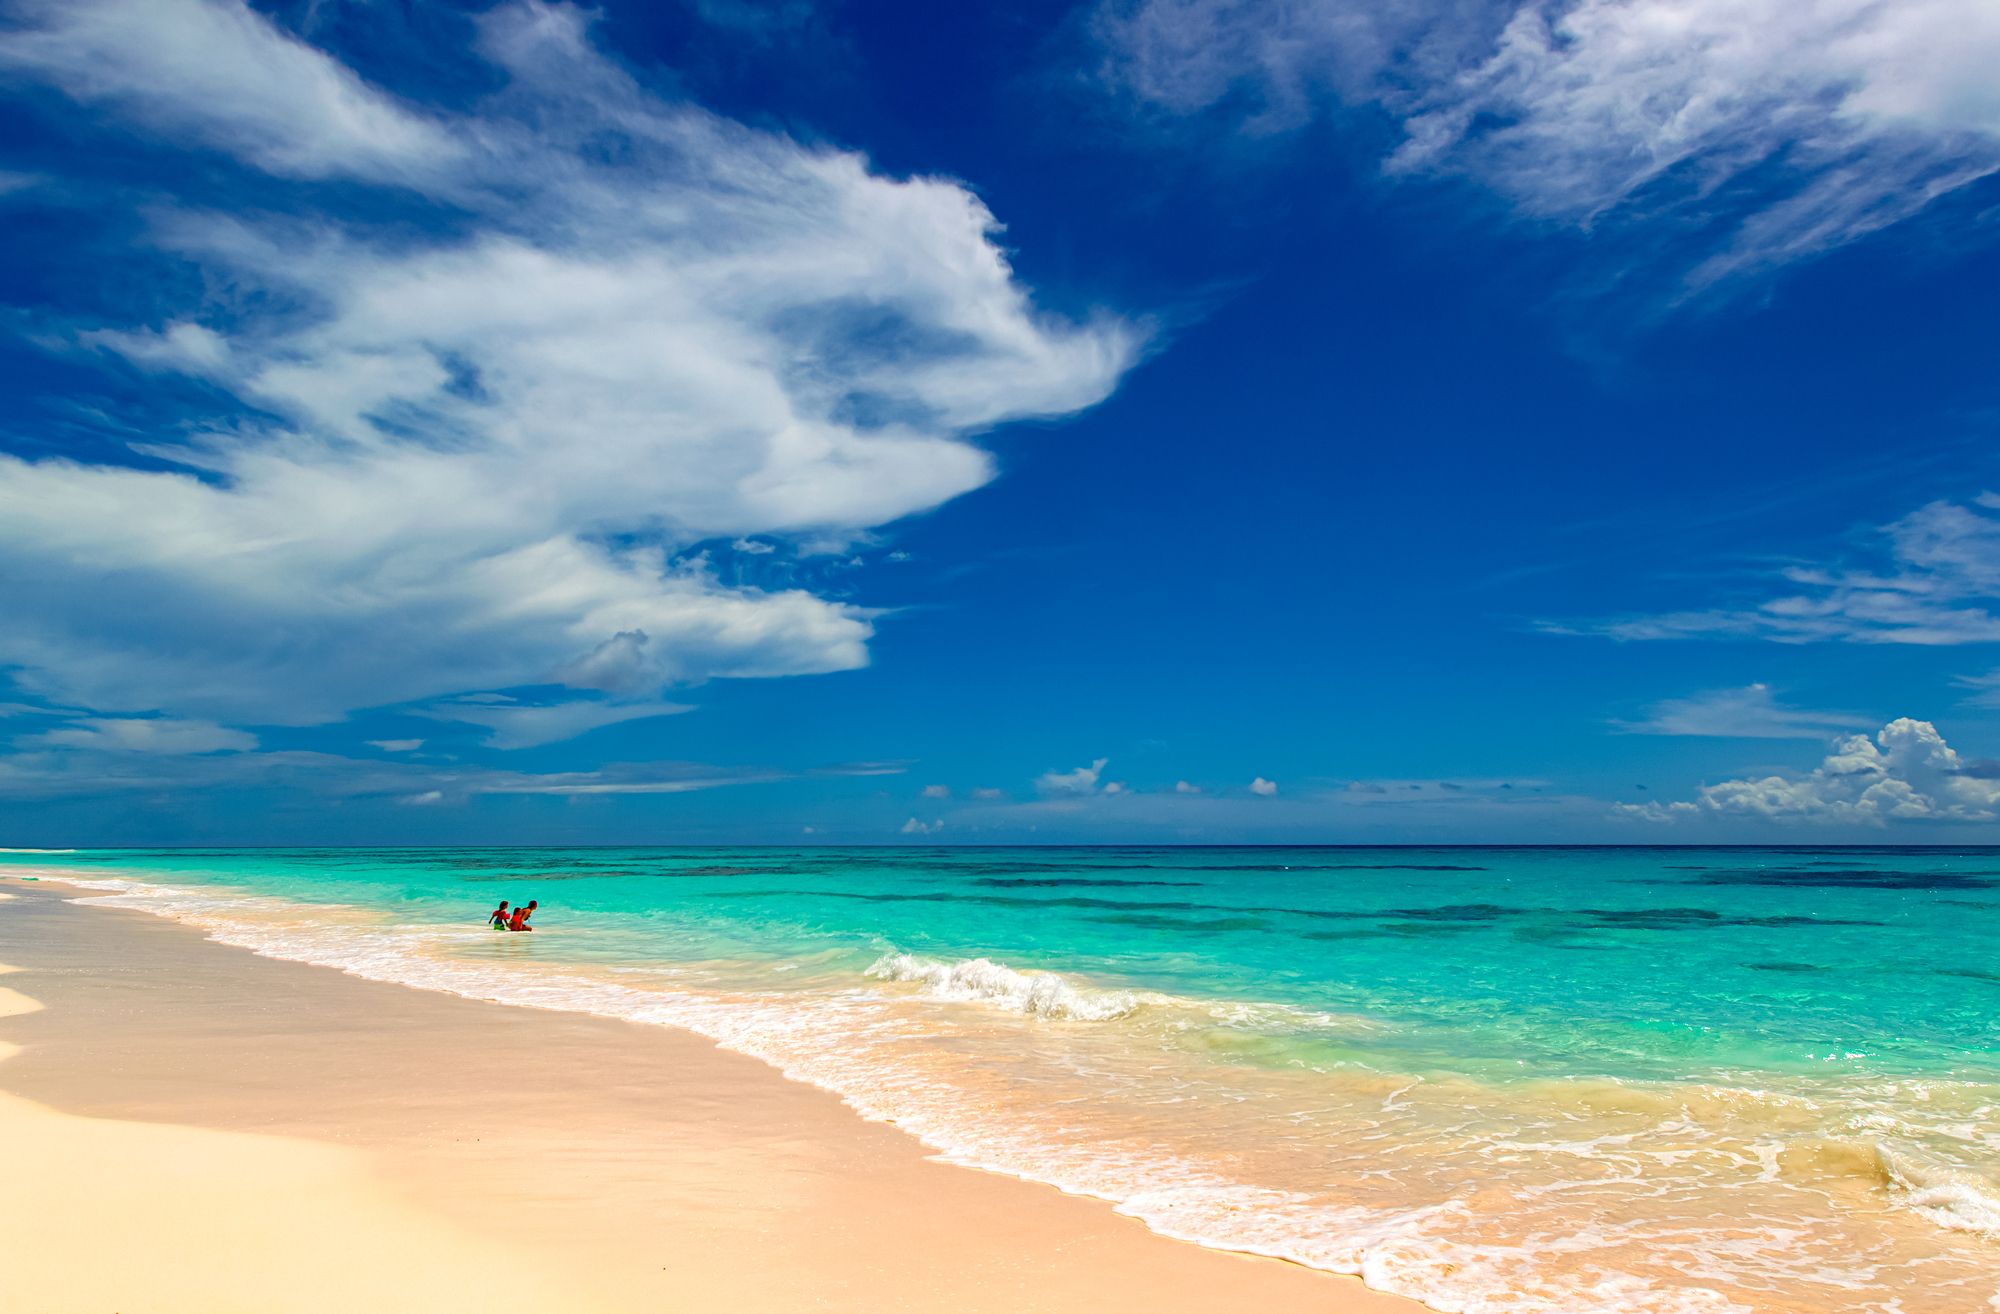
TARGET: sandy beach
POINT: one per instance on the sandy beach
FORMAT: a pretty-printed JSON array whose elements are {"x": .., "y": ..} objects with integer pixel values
[{"x": 190, "y": 1127}]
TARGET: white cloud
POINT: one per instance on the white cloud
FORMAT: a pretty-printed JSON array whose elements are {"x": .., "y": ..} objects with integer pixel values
[
  {"x": 863, "y": 769},
  {"x": 183, "y": 347},
  {"x": 1905, "y": 773},
  {"x": 1183, "y": 787},
  {"x": 1751, "y": 712},
  {"x": 1985, "y": 688},
  {"x": 429, "y": 798},
  {"x": 753, "y": 547},
  {"x": 1117, "y": 787},
  {"x": 987, "y": 794},
  {"x": 633, "y": 327},
  {"x": 1658, "y": 813},
  {"x": 157, "y": 735},
  {"x": 937, "y": 791},
  {"x": 1263, "y": 788},
  {"x": 1939, "y": 586},
  {"x": 915, "y": 827},
  {"x": 1842, "y": 115},
  {"x": 396, "y": 745},
  {"x": 215, "y": 72},
  {"x": 516, "y": 726},
  {"x": 1081, "y": 780}
]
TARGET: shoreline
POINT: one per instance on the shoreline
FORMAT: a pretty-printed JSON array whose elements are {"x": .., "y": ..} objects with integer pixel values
[{"x": 646, "y": 1163}]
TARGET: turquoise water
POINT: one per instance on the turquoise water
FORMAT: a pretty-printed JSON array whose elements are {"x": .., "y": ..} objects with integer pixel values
[{"x": 1495, "y": 1079}]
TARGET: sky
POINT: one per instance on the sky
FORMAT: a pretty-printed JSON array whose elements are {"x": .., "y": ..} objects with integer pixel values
[{"x": 1126, "y": 421}]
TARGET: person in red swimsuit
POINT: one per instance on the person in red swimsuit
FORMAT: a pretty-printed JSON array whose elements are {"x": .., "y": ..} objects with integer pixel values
[{"x": 519, "y": 921}]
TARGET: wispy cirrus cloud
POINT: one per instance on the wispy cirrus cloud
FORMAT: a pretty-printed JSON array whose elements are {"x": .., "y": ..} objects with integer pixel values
[
  {"x": 522, "y": 725},
  {"x": 1752, "y": 712},
  {"x": 165, "y": 736},
  {"x": 222, "y": 75},
  {"x": 1762, "y": 130},
  {"x": 476, "y": 407},
  {"x": 1934, "y": 580},
  {"x": 654, "y": 778},
  {"x": 105, "y": 758}
]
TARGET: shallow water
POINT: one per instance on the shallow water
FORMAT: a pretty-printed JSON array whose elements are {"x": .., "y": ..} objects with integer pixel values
[{"x": 1492, "y": 1079}]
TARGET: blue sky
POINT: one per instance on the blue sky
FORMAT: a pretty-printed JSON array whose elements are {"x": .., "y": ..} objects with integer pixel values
[{"x": 1123, "y": 420}]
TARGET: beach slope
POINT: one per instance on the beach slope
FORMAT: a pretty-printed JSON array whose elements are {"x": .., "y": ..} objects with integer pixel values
[{"x": 190, "y": 1127}]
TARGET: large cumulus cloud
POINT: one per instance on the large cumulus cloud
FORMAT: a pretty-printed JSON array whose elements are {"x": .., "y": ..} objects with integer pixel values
[
  {"x": 1907, "y": 772},
  {"x": 487, "y": 375}
]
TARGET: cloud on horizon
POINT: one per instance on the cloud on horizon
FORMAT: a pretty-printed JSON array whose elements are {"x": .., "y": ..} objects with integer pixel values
[
  {"x": 1373, "y": 811},
  {"x": 1080, "y": 780},
  {"x": 1907, "y": 772}
]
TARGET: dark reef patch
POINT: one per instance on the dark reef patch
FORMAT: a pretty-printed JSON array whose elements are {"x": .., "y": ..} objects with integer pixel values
[
  {"x": 1850, "y": 878},
  {"x": 1063, "y": 882},
  {"x": 1463, "y": 912},
  {"x": 1154, "y": 922},
  {"x": 1971, "y": 974},
  {"x": 1680, "y": 919}
]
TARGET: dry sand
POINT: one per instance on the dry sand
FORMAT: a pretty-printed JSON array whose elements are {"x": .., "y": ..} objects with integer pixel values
[{"x": 191, "y": 1129}]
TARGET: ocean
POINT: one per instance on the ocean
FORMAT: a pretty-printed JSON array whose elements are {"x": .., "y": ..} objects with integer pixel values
[{"x": 1514, "y": 1079}]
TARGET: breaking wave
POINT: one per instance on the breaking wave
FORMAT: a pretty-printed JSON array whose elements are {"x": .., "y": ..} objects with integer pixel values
[
  {"x": 1943, "y": 1196},
  {"x": 983, "y": 981}
]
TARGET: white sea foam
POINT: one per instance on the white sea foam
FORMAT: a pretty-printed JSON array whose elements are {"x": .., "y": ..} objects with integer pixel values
[
  {"x": 1943, "y": 1195},
  {"x": 981, "y": 980},
  {"x": 1053, "y": 995}
]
